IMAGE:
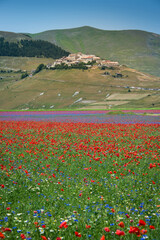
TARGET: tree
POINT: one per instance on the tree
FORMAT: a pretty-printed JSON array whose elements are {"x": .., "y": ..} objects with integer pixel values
[
  {"x": 39, "y": 68},
  {"x": 24, "y": 75},
  {"x": 30, "y": 48}
]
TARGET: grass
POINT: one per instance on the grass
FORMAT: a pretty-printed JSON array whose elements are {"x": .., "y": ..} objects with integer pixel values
[
  {"x": 114, "y": 111},
  {"x": 23, "y": 63},
  {"x": 119, "y": 112},
  {"x": 86, "y": 176}
]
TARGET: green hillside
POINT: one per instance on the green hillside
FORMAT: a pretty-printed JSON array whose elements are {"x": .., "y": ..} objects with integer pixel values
[{"x": 135, "y": 48}]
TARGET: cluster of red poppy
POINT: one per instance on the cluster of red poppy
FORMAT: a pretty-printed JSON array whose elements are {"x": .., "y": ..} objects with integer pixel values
[
  {"x": 133, "y": 230},
  {"x": 95, "y": 165}
]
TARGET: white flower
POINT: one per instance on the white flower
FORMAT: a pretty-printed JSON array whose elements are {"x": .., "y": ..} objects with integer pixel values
[
  {"x": 19, "y": 214},
  {"x": 41, "y": 230}
]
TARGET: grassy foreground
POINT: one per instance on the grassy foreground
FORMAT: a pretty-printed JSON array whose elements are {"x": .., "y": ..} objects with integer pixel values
[{"x": 79, "y": 180}]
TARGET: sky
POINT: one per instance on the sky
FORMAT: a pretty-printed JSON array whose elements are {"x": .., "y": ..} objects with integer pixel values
[{"x": 33, "y": 16}]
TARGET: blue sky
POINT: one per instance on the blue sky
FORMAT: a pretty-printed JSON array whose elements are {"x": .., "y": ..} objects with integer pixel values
[{"x": 39, "y": 15}]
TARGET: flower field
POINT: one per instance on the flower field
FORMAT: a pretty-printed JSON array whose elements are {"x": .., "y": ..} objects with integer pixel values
[
  {"x": 96, "y": 116},
  {"x": 71, "y": 180}
]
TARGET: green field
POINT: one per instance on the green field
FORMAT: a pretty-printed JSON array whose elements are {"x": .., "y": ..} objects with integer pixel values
[{"x": 22, "y": 63}]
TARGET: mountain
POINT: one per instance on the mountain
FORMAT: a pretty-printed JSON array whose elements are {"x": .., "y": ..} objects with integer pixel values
[{"x": 134, "y": 48}]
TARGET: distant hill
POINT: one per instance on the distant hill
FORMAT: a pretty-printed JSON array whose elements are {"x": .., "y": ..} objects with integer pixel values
[{"x": 134, "y": 48}]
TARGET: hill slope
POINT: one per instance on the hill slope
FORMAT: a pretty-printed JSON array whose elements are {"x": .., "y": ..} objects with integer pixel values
[
  {"x": 91, "y": 89},
  {"x": 137, "y": 49}
]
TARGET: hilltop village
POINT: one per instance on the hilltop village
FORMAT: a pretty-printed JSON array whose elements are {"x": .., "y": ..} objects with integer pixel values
[{"x": 76, "y": 58}]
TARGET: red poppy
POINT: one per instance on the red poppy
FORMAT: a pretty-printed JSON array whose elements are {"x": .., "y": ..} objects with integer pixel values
[
  {"x": 143, "y": 231},
  {"x": 88, "y": 226},
  {"x": 107, "y": 229},
  {"x": 151, "y": 227},
  {"x": 121, "y": 224},
  {"x": 43, "y": 237},
  {"x": 36, "y": 224},
  {"x": 102, "y": 238},
  {"x": 135, "y": 230},
  {"x": 120, "y": 233},
  {"x": 142, "y": 223},
  {"x": 23, "y": 236},
  {"x": 2, "y": 235},
  {"x": 78, "y": 234},
  {"x": 63, "y": 225},
  {"x": 7, "y": 230}
]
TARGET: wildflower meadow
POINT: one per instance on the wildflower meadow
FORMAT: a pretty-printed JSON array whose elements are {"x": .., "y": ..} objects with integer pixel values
[{"x": 71, "y": 180}]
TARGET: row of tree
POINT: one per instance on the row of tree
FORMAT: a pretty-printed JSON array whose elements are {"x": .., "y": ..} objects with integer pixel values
[
  {"x": 29, "y": 48},
  {"x": 58, "y": 66},
  {"x": 80, "y": 65},
  {"x": 38, "y": 69}
]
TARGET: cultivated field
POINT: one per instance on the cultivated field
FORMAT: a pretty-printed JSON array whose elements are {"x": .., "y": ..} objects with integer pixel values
[{"x": 79, "y": 180}]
